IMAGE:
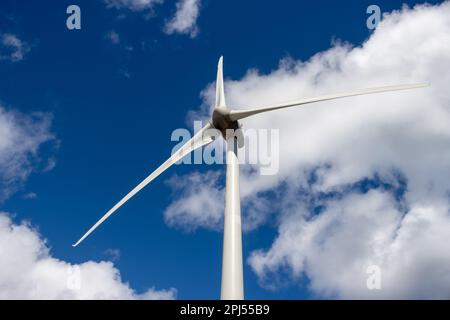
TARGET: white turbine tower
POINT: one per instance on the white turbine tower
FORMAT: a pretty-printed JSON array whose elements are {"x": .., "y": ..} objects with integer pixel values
[{"x": 224, "y": 119}]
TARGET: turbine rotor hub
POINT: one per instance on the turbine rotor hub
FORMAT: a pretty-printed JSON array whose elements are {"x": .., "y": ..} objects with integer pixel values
[{"x": 221, "y": 120}]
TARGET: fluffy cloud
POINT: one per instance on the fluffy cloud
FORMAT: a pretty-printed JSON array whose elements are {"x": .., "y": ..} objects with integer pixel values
[
  {"x": 199, "y": 203},
  {"x": 335, "y": 248},
  {"x": 362, "y": 181},
  {"x": 28, "y": 271},
  {"x": 21, "y": 137},
  {"x": 185, "y": 19},
  {"x": 12, "y": 48},
  {"x": 134, "y": 5},
  {"x": 199, "y": 194},
  {"x": 183, "y": 22}
]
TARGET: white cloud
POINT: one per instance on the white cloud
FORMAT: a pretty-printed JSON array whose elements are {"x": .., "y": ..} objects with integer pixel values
[
  {"x": 113, "y": 36},
  {"x": 396, "y": 145},
  {"x": 28, "y": 271},
  {"x": 334, "y": 249},
  {"x": 185, "y": 18},
  {"x": 21, "y": 137},
  {"x": 134, "y": 5},
  {"x": 199, "y": 203},
  {"x": 12, "y": 48}
]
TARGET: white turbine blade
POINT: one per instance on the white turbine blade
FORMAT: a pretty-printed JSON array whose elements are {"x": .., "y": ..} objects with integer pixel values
[
  {"x": 200, "y": 139},
  {"x": 241, "y": 114},
  {"x": 220, "y": 92}
]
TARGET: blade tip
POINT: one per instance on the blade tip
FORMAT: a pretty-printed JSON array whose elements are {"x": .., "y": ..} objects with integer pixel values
[{"x": 76, "y": 244}]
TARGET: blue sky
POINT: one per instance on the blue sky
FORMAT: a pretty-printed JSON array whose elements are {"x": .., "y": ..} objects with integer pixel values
[{"x": 114, "y": 107}]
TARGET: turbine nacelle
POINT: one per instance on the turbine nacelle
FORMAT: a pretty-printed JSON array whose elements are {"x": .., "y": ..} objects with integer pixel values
[{"x": 221, "y": 120}]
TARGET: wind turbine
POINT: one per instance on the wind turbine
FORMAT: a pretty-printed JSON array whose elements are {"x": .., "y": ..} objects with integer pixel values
[{"x": 226, "y": 120}]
